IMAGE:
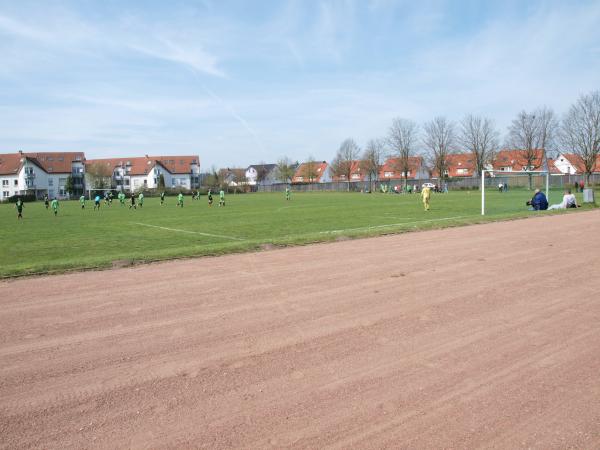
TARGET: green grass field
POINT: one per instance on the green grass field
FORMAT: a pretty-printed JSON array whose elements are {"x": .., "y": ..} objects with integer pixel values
[{"x": 77, "y": 239}]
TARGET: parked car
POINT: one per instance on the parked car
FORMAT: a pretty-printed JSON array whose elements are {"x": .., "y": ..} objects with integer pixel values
[{"x": 428, "y": 185}]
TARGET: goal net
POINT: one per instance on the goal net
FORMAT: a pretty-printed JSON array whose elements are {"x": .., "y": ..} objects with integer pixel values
[
  {"x": 93, "y": 192},
  {"x": 503, "y": 192}
]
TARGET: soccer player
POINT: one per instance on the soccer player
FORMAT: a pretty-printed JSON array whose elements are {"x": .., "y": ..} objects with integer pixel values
[
  {"x": 132, "y": 205},
  {"x": 141, "y": 199},
  {"x": 210, "y": 199},
  {"x": 46, "y": 201},
  {"x": 19, "y": 206},
  {"x": 180, "y": 199},
  {"x": 110, "y": 198},
  {"x": 54, "y": 206},
  {"x": 122, "y": 198},
  {"x": 82, "y": 201},
  {"x": 425, "y": 196},
  {"x": 221, "y": 197},
  {"x": 97, "y": 202},
  {"x": 287, "y": 193},
  {"x": 162, "y": 198}
]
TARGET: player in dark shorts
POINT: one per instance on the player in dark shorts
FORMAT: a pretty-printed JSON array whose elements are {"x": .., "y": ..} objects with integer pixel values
[
  {"x": 132, "y": 205},
  {"x": 162, "y": 198},
  {"x": 210, "y": 199},
  {"x": 19, "y": 206},
  {"x": 46, "y": 201}
]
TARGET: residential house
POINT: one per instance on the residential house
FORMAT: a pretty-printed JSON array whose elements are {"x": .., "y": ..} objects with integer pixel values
[
  {"x": 313, "y": 172},
  {"x": 357, "y": 173},
  {"x": 461, "y": 165},
  {"x": 391, "y": 169},
  {"x": 572, "y": 164},
  {"x": 41, "y": 173},
  {"x": 233, "y": 177},
  {"x": 138, "y": 173},
  {"x": 517, "y": 161},
  {"x": 264, "y": 174}
]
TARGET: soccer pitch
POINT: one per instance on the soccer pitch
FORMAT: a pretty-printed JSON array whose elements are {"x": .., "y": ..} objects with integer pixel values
[{"x": 83, "y": 239}]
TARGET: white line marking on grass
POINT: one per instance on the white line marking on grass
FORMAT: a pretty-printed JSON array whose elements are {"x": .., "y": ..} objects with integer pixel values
[
  {"x": 393, "y": 225},
  {"x": 189, "y": 232}
]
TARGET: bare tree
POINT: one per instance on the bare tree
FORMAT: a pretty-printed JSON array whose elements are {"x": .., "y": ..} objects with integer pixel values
[
  {"x": 531, "y": 132},
  {"x": 373, "y": 159},
  {"x": 310, "y": 171},
  {"x": 285, "y": 170},
  {"x": 402, "y": 137},
  {"x": 479, "y": 136},
  {"x": 580, "y": 130},
  {"x": 439, "y": 140},
  {"x": 261, "y": 172},
  {"x": 100, "y": 175},
  {"x": 344, "y": 160},
  {"x": 547, "y": 130}
]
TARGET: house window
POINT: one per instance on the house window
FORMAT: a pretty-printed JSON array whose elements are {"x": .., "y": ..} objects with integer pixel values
[
  {"x": 5, "y": 194},
  {"x": 388, "y": 174},
  {"x": 4, "y": 182},
  {"x": 50, "y": 182},
  {"x": 16, "y": 182}
]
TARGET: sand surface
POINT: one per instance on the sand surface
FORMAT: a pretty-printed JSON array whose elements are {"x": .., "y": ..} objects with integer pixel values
[{"x": 481, "y": 336}]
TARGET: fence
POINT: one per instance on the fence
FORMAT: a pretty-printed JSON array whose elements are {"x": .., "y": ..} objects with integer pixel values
[{"x": 513, "y": 181}]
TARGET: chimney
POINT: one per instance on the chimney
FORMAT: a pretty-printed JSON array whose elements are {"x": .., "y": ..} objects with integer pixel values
[{"x": 21, "y": 152}]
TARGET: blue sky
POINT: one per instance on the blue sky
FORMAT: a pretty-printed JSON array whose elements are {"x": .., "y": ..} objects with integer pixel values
[{"x": 239, "y": 82}]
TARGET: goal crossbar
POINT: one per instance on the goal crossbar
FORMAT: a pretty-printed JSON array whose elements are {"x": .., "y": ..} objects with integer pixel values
[{"x": 508, "y": 174}]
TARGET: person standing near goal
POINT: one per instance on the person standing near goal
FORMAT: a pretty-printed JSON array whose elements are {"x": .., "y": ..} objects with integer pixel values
[
  {"x": 425, "y": 196},
  {"x": 221, "y": 197}
]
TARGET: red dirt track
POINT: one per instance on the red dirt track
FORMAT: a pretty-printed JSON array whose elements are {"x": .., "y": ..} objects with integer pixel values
[{"x": 481, "y": 336}]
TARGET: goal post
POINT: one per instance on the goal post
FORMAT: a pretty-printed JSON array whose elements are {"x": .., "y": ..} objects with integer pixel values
[{"x": 492, "y": 175}]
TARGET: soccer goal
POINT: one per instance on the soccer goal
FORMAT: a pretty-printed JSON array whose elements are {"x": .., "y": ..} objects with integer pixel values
[
  {"x": 503, "y": 181},
  {"x": 93, "y": 192}
]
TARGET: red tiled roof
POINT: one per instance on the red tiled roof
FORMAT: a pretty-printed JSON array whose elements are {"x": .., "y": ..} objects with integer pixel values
[
  {"x": 301, "y": 175},
  {"x": 516, "y": 159},
  {"x": 10, "y": 163},
  {"x": 50, "y": 162},
  {"x": 56, "y": 162},
  {"x": 458, "y": 162},
  {"x": 577, "y": 162},
  {"x": 392, "y": 167},
  {"x": 357, "y": 173}
]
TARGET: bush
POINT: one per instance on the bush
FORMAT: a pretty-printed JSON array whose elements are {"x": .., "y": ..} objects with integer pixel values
[{"x": 25, "y": 198}]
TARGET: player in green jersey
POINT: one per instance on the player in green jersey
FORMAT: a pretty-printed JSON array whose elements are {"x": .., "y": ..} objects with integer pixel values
[{"x": 54, "y": 205}]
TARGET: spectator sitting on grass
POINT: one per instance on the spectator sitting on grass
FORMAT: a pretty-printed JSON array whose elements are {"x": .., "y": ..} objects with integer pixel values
[
  {"x": 539, "y": 202},
  {"x": 568, "y": 201}
]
